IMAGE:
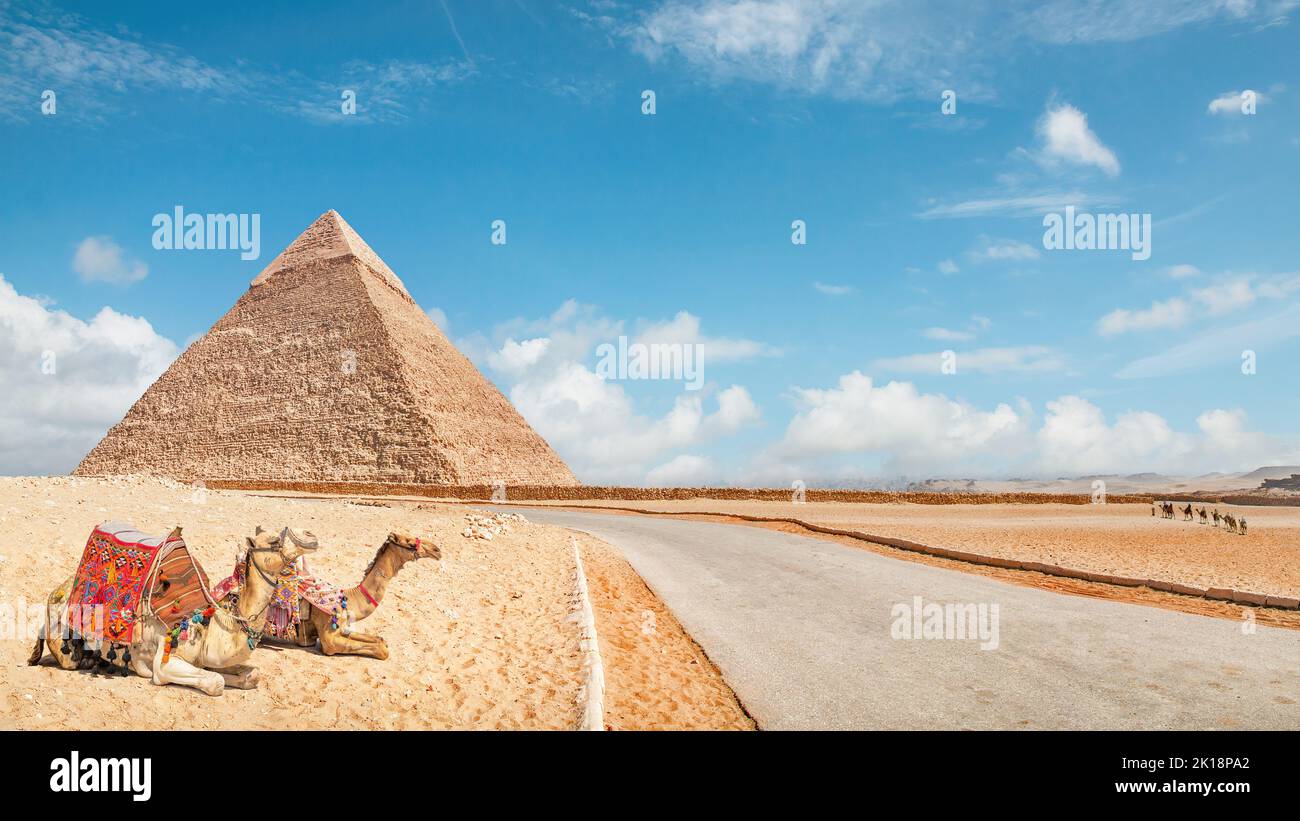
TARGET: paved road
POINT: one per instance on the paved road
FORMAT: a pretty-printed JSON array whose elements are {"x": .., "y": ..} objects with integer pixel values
[{"x": 801, "y": 629}]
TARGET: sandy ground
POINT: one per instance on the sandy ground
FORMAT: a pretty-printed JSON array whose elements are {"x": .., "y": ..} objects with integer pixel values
[
  {"x": 479, "y": 639},
  {"x": 1121, "y": 540},
  {"x": 655, "y": 675}
]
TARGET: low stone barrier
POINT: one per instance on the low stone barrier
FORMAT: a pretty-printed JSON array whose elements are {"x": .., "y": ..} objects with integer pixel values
[
  {"x": 591, "y": 699},
  {"x": 1215, "y": 593}
]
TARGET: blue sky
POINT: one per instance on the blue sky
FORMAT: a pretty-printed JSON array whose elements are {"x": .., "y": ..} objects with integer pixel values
[{"x": 822, "y": 360}]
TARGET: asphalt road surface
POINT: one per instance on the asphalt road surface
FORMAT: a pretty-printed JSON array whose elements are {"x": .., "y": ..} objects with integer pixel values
[{"x": 813, "y": 635}]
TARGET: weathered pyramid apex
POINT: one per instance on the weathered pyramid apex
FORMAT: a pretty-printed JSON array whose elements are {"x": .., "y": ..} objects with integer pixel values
[{"x": 329, "y": 237}]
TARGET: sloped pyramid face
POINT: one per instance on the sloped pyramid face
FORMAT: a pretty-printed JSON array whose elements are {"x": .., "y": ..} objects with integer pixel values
[{"x": 326, "y": 370}]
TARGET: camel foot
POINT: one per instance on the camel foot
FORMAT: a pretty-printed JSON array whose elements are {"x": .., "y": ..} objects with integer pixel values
[
  {"x": 178, "y": 671},
  {"x": 241, "y": 677},
  {"x": 372, "y": 647},
  {"x": 35, "y": 657}
]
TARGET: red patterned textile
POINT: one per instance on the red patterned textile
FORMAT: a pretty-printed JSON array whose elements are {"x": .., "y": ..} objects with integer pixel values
[{"x": 107, "y": 589}]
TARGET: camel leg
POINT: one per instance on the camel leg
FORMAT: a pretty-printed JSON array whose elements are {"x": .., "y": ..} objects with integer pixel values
[
  {"x": 35, "y": 657},
  {"x": 140, "y": 664},
  {"x": 240, "y": 677},
  {"x": 335, "y": 642},
  {"x": 179, "y": 671}
]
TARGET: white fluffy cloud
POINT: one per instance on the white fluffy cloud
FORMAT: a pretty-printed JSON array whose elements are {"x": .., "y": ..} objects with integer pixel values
[
  {"x": 1066, "y": 137},
  {"x": 684, "y": 470},
  {"x": 915, "y": 430},
  {"x": 515, "y": 358},
  {"x": 1076, "y": 438},
  {"x": 1230, "y": 103},
  {"x": 594, "y": 424},
  {"x": 99, "y": 259},
  {"x": 684, "y": 329},
  {"x": 595, "y": 427},
  {"x": 1172, "y": 313},
  {"x": 1182, "y": 271},
  {"x": 907, "y": 431},
  {"x": 1003, "y": 250},
  {"x": 50, "y": 420}
]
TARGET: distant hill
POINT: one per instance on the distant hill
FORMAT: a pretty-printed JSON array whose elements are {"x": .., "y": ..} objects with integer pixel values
[{"x": 1275, "y": 472}]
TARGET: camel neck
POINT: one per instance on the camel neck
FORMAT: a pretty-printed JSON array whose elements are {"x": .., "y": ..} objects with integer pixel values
[
  {"x": 255, "y": 598},
  {"x": 376, "y": 580}
]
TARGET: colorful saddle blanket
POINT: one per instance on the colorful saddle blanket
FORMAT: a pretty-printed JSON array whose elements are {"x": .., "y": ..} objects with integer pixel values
[
  {"x": 179, "y": 588},
  {"x": 284, "y": 614},
  {"x": 108, "y": 588}
]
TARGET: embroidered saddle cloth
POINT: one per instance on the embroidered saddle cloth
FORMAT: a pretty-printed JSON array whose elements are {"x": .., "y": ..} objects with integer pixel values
[
  {"x": 109, "y": 585},
  {"x": 179, "y": 587},
  {"x": 284, "y": 614}
]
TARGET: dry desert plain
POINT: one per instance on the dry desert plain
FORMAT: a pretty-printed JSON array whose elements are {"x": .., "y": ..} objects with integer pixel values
[
  {"x": 1111, "y": 539},
  {"x": 479, "y": 639}
]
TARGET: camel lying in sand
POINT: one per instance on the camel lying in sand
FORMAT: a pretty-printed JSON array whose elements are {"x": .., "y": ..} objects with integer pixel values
[
  {"x": 337, "y": 635},
  {"x": 212, "y": 655}
]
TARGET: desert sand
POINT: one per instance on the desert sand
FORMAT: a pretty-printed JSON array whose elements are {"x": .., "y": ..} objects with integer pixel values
[
  {"x": 479, "y": 639},
  {"x": 1115, "y": 539}
]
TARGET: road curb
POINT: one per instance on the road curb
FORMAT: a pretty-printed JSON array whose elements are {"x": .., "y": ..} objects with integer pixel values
[{"x": 591, "y": 698}]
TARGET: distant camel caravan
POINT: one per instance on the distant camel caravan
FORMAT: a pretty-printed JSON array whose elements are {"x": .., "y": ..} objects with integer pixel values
[{"x": 1229, "y": 522}]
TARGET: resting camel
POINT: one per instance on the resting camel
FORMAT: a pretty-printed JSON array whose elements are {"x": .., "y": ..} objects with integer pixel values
[
  {"x": 213, "y": 654},
  {"x": 338, "y": 636}
]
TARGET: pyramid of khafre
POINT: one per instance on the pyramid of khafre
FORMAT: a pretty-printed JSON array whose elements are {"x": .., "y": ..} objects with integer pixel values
[{"x": 327, "y": 371}]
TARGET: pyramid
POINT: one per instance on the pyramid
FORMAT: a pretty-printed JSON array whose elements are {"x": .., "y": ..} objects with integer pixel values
[{"x": 326, "y": 370}]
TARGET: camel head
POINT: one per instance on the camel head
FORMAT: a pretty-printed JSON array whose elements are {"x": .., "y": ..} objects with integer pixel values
[
  {"x": 275, "y": 553},
  {"x": 410, "y": 548}
]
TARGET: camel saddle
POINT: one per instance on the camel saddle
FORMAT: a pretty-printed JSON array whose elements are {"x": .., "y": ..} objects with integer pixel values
[
  {"x": 118, "y": 566},
  {"x": 295, "y": 590}
]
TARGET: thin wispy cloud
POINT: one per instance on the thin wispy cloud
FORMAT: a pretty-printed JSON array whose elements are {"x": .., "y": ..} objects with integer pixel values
[
  {"x": 455, "y": 32},
  {"x": 1014, "y": 359},
  {"x": 93, "y": 72},
  {"x": 885, "y": 51},
  {"x": 833, "y": 290},
  {"x": 1219, "y": 348},
  {"x": 1003, "y": 250},
  {"x": 1027, "y": 205}
]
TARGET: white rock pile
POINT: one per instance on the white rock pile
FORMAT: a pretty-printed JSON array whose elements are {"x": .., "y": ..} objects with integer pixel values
[{"x": 487, "y": 527}]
